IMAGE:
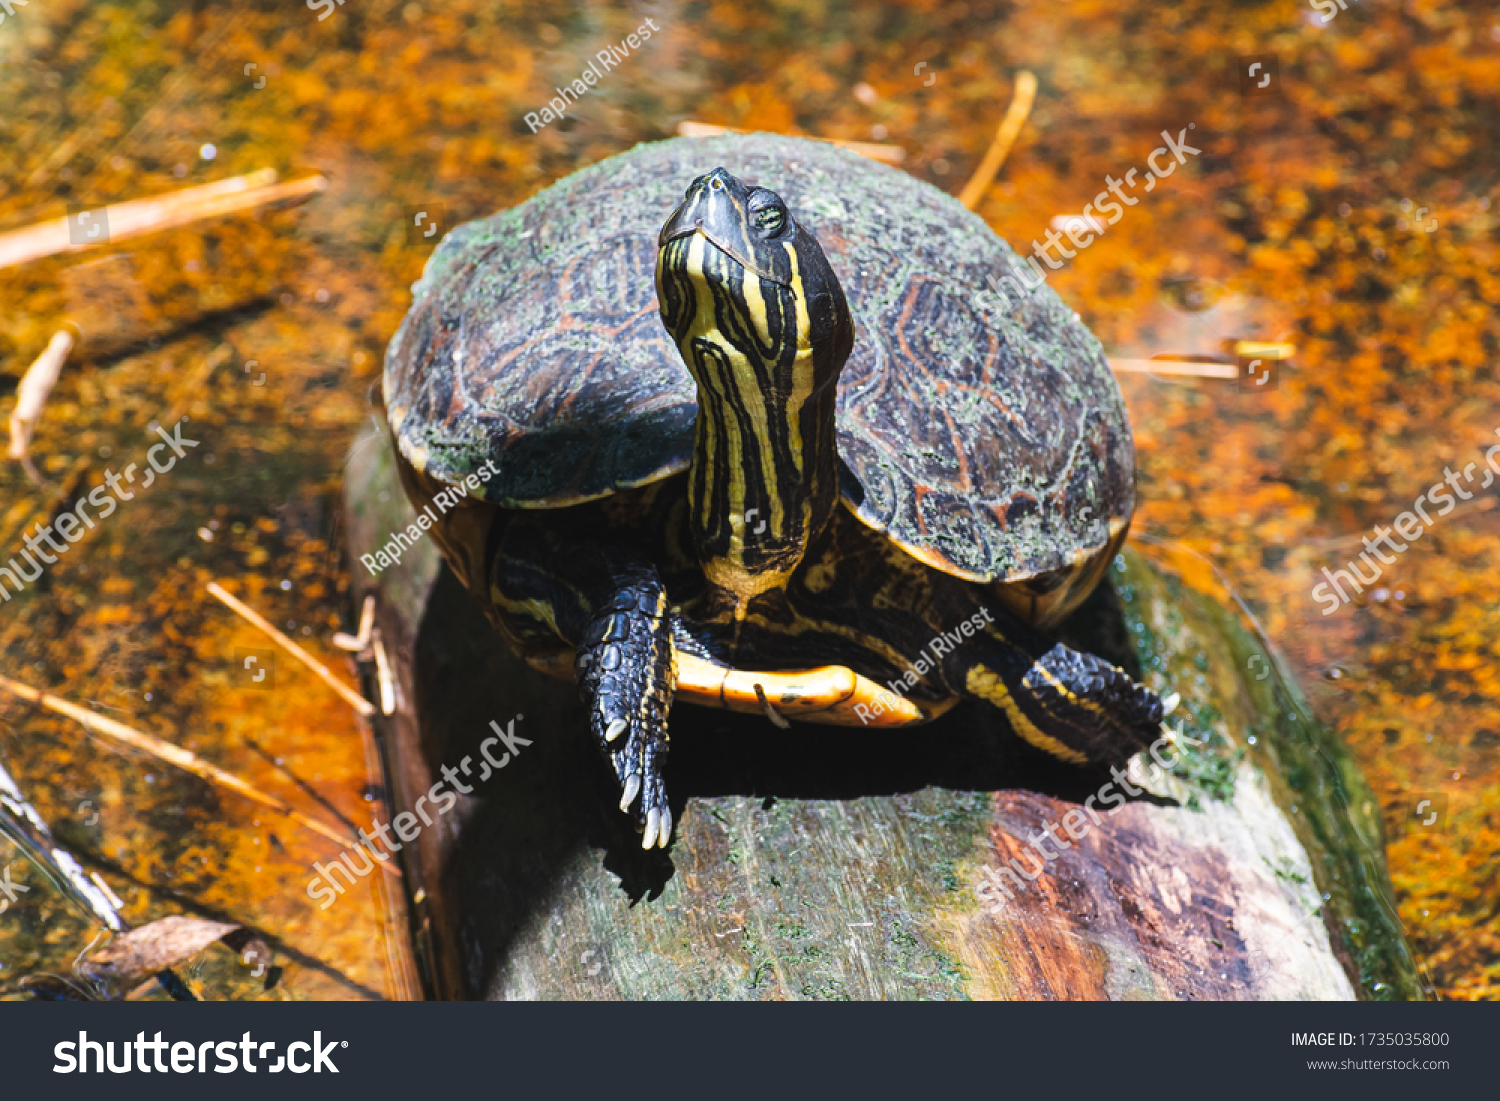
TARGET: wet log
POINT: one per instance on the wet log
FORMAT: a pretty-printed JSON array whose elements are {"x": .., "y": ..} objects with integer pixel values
[{"x": 822, "y": 862}]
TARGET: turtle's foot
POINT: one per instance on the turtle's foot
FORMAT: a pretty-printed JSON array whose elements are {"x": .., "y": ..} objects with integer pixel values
[
  {"x": 1097, "y": 710},
  {"x": 626, "y": 674},
  {"x": 1072, "y": 704}
]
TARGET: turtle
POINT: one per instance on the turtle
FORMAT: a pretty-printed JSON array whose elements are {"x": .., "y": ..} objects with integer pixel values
[{"x": 735, "y": 422}]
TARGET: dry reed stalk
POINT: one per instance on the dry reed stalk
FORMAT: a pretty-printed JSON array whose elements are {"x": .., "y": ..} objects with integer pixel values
[
  {"x": 358, "y": 702},
  {"x": 888, "y": 154},
  {"x": 31, "y": 398},
  {"x": 1010, "y": 128},
  {"x": 172, "y": 755},
  {"x": 176, "y": 208}
]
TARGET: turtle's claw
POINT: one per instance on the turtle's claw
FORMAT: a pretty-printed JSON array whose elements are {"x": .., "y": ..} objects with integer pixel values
[
  {"x": 652, "y": 812},
  {"x": 632, "y": 789},
  {"x": 637, "y": 756},
  {"x": 637, "y": 749},
  {"x": 658, "y": 827}
]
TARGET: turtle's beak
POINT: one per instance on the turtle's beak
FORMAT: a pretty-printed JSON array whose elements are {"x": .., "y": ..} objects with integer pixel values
[{"x": 715, "y": 207}]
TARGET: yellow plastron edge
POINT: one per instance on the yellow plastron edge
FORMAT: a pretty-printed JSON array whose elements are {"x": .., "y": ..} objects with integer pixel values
[{"x": 828, "y": 695}]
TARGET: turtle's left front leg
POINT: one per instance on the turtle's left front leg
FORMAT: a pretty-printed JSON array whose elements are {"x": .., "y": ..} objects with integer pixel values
[{"x": 555, "y": 583}]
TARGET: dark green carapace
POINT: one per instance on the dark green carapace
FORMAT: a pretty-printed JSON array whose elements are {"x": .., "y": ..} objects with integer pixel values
[{"x": 994, "y": 443}]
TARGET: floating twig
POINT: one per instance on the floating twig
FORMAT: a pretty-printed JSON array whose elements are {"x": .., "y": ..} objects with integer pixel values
[
  {"x": 1222, "y": 365},
  {"x": 359, "y": 644},
  {"x": 383, "y": 676},
  {"x": 1010, "y": 128},
  {"x": 172, "y": 755},
  {"x": 358, "y": 702},
  {"x": 176, "y": 208},
  {"x": 889, "y": 154},
  {"x": 1176, "y": 367},
  {"x": 31, "y": 398}
]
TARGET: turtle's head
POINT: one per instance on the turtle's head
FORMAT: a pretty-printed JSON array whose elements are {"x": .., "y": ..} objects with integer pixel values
[
  {"x": 762, "y": 324},
  {"x": 738, "y": 244}
]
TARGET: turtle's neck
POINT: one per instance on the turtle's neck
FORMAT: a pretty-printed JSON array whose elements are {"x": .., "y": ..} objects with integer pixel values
[{"x": 763, "y": 481}]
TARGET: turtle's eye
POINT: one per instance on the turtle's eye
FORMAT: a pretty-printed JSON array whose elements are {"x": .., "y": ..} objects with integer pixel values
[{"x": 768, "y": 220}]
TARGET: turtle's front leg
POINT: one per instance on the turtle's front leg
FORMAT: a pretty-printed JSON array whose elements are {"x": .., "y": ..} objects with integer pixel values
[
  {"x": 557, "y": 585},
  {"x": 626, "y": 674}
]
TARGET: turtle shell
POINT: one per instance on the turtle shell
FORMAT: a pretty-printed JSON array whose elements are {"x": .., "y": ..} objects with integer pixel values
[{"x": 984, "y": 434}]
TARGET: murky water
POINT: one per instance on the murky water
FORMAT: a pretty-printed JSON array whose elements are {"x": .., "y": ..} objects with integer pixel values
[{"x": 1345, "y": 208}]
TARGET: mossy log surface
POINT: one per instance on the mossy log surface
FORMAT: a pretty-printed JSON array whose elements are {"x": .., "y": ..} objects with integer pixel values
[{"x": 821, "y": 862}]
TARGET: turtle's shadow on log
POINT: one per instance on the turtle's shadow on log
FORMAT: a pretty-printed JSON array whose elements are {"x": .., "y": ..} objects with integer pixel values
[{"x": 527, "y": 821}]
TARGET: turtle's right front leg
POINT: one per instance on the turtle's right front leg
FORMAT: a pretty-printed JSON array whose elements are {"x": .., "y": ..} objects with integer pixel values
[
  {"x": 554, "y": 584},
  {"x": 626, "y": 674}
]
